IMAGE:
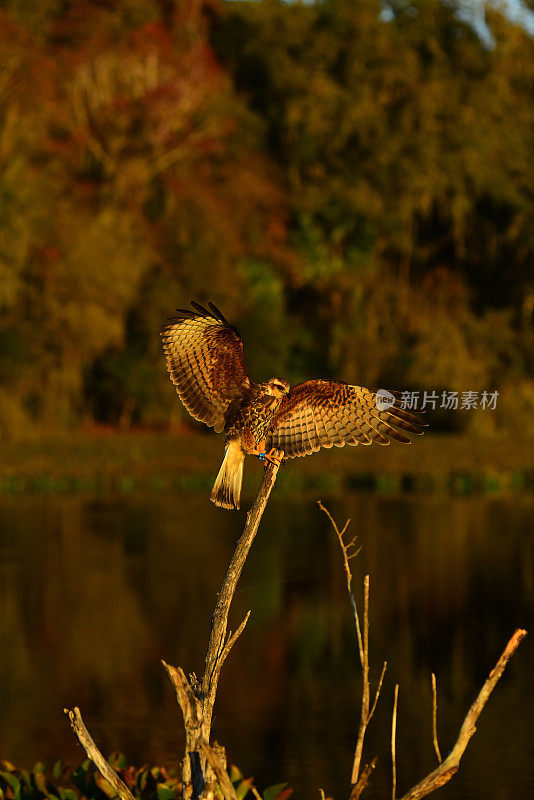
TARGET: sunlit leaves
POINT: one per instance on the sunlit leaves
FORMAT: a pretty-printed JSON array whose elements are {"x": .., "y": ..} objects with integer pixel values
[
  {"x": 146, "y": 783},
  {"x": 279, "y": 791}
]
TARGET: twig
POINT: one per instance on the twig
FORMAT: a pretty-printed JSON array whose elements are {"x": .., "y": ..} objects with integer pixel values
[
  {"x": 86, "y": 741},
  {"x": 394, "y": 744},
  {"x": 449, "y": 766},
  {"x": 232, "y": 639},
  {"x": 378, "y": 688},
  {"x": 435, "y": 718},
  {"x": 358, "y": 783},
  {"x": 348, "y": 573},
  {"x": 364, "y": 717}
]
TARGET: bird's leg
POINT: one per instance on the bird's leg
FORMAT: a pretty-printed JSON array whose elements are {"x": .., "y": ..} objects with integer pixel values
[
  {"x": 259, "y": 451},
  {"x": 274, "y": 456}
]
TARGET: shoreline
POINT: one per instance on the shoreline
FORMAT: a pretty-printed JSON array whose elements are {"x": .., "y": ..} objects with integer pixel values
[{"x": 101, "y": 461}]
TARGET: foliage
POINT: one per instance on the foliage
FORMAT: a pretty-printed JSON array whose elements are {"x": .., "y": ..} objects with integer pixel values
[
  {"x": 352, "y": 187},
  {"x": 146, "y": 783}
]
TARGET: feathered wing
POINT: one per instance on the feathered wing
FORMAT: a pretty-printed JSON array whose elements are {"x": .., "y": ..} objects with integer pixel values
[
  {"x": 205, "y": 361},
  {"x": 321, "y": 413}
]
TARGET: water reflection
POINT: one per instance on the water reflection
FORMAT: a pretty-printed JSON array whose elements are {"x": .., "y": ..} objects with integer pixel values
[{"x": 94, "y": 593}]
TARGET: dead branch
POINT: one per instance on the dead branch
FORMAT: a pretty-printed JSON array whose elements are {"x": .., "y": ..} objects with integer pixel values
[
  {"x": 378, "y": 689},
  {"x": 348, "y": 573},
  {"x": 232, "y": 639},
  {"x": 219, "y": 768},
  {"x": 363, "y": 780},
  {"x": 450, "y": 765},
  {"x": 435, "y": 718},
  {"x": 187, "y": 699},
  {"x": 358, "y": 782},
  {"x": 196, "y": 699},
  {"x": 217, "y": 649},
  {"x": 364, "y": 717},
  {"x": 394, "y": 743},
  {"x": 86, "y": 741}
]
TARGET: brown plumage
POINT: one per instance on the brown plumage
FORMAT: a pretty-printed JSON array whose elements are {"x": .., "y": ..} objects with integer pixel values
[
  {"x": 321, "y": 413},
  {"x": 205, "y": 361}
]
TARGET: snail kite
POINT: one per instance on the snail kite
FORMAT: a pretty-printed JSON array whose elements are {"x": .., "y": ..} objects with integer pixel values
[{"x": 205, "y": 361}]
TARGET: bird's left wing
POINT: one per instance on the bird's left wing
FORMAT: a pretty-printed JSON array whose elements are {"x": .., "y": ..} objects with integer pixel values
[
  {"x": 321, "y": 413},
  {"x": 205, "y": 361}
]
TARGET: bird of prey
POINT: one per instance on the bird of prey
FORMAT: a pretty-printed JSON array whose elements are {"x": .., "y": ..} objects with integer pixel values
[{"x": 205, "y": 361}]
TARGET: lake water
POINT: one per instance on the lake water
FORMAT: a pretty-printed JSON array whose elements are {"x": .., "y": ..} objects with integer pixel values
[{"x": 94, "y": 592}]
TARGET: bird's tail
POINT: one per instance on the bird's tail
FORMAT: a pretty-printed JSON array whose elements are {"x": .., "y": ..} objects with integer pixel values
[{"x": 227, "y": 487}]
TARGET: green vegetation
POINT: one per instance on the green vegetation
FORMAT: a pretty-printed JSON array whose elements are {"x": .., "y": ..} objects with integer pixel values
[
  {"x": 65, "y": 783},
  {"x": 354, "y": 191}
]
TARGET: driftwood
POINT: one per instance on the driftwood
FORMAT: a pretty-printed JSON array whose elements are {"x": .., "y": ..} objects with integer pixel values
[
  {"x": 447, "y": 767},
  {"x": 204, "y": 766}
]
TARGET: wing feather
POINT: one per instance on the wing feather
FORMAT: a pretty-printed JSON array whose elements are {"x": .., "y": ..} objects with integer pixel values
[
  {"x": 322, "y": 435},
  {"x": 321, "y": 413},
  {"x": 205, "y": 361}
]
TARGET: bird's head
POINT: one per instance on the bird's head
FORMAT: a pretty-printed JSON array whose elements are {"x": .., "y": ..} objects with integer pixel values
[{"x": 277, "y": 387}]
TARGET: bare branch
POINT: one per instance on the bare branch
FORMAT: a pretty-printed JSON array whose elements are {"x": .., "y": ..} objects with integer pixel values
[
  {"x": 216, "y": 654},
  {"x": 450, "y": 765},
  {"x": 86, "y": 741},
  {"x": 196, "y": 698},
  {"x": 363, "y": 780},
  {"x": 364, "y": 717},
  {"x": 218, "y": 768},
  {"x": 232, "y": 639},
  {"x": 187, "y": 699},
  {"x": 435, "y": 718},
  {"x": 348, "y": 573},
  {"x": 378, "y": 689},
  {"x": 358, "y": 783},
  {"x": 394, "y": 744}
]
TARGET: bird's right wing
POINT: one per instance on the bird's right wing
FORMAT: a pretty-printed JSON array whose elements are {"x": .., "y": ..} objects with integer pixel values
[
  {"x": 321, "y": 413},
  {"x": 205, "y": 361}
]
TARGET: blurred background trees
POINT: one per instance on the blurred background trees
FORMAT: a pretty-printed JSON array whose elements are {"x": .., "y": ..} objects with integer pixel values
[{"x": 351, "y": 183}]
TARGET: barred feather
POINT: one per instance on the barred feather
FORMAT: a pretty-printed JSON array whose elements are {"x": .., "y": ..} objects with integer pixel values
[
  {"x": 205, "y": 362},
  {"x": 340, "y": 414}
]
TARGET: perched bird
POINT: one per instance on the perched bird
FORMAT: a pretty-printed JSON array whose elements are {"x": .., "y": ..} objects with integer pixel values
[{"x": 205, "y": 361}]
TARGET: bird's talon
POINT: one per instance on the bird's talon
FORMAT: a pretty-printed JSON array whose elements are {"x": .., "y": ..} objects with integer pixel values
[{"x": 274, "y": 456}]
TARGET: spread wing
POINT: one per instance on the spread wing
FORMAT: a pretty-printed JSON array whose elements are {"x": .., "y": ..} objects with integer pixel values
[
  {"x": 321, "y": 413},
  {"x": 205, "y": 361}
]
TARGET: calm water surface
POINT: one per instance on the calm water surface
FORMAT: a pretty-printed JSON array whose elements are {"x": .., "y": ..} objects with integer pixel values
[{"x": 93, "y": 593}]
